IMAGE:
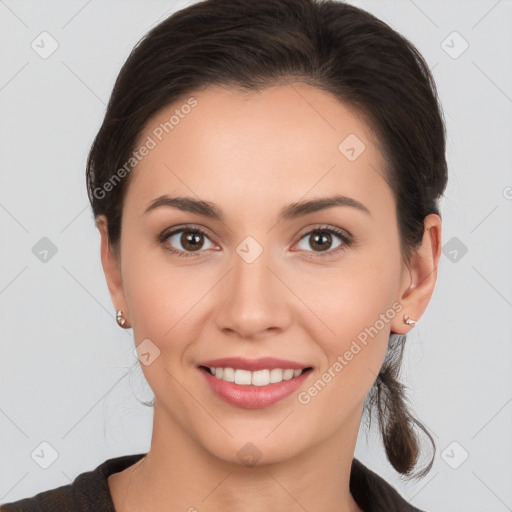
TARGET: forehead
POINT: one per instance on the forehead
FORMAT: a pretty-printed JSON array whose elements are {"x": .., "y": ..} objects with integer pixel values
[{"x": 286, "y": 139}]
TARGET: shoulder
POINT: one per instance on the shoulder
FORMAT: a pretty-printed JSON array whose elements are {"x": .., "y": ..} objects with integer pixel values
[
  {"x": 88, "y": 492},
  {"x": 373, "y": 494}
]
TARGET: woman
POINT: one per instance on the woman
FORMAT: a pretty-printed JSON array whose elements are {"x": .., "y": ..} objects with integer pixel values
[{"x": 265, "y": 184}]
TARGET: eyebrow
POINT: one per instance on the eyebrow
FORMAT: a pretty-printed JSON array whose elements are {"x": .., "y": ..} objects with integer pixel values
[{"x": 292, "y": 211}]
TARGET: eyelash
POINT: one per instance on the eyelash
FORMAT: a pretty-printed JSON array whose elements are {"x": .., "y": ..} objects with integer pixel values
[{"x": 347, "y": 242}]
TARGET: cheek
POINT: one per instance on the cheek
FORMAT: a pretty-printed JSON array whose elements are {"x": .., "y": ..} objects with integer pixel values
[
  {"x": 356, "y": 303},
  {"x": 357, "y": 306},
  {"x": 163, "y": 302},
  {"x": 163, "y": 299},
  {"x": 356, "y": 298}
]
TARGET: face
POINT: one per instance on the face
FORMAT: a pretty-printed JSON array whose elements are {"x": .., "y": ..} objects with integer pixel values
[{"x": 313, "y": 287}]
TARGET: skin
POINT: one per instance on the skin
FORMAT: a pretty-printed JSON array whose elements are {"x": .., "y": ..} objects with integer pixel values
[{"x": 252, "y": 155}]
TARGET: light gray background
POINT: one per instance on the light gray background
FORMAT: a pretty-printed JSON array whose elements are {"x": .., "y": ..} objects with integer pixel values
[{"x": 67, "y": 373}]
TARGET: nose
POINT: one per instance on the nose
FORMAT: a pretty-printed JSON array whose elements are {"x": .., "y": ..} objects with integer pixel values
[{"x": 253, "y": 301}]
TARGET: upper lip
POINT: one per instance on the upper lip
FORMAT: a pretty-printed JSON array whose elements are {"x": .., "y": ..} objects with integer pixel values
[{"x": 253, "y": 364}]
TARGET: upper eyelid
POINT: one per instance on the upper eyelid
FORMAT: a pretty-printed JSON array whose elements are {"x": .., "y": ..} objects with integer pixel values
[{"x": 167, "y": 233}]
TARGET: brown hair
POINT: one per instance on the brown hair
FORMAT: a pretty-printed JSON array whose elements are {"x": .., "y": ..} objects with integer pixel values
[{"x": 336, "y": 47}]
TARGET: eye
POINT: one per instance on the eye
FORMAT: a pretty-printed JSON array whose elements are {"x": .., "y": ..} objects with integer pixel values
[
  {"x": 321, "y": 238},
  {"x": 187, "y": 239}
]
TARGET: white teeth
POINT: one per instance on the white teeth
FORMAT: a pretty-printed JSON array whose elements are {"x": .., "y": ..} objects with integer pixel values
[
  {"x": 242, "y": 377},
  {"x": 260, "y": 378},
  {"x": 256, "y": 378},
  {"x": 276, "y": 375},
  {"x": 228, "y": 374},
  {"x": 288, "y": 374}
]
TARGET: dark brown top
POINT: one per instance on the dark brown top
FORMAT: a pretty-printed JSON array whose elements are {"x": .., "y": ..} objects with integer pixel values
[{"x": 89, "y": 492}]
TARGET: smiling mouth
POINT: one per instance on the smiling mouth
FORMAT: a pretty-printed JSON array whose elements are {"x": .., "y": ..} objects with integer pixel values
[{"x": 262, "y": 377}]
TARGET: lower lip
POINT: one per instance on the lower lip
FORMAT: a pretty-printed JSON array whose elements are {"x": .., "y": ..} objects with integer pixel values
[{"x": 253, "y": 397}]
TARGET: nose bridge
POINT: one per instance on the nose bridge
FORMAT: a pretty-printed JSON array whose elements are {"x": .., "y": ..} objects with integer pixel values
[
  {"x": 251, "y": 279},
  {"x": 253, "y": 300}
]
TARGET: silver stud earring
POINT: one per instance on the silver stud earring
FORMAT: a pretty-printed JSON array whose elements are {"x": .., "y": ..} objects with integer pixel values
[{"x": 408, "y": 321}]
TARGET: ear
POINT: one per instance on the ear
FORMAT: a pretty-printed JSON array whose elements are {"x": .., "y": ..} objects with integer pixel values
[
  {"x": 112, "y": 269},
  {"x": 420, "y": 275}
]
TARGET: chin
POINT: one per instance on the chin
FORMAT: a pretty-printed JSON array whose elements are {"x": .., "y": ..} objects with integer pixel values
[{"x": 260, "y": 448}]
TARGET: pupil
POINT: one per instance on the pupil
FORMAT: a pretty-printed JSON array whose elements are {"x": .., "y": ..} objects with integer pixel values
[
  {"x": 190, "y": 239},
  {"x": 325, "y": 236},
  {"x": 193, "y": 239}
]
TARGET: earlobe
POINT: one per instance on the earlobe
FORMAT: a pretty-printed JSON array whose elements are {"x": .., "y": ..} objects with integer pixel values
[
  {"x": 422, "y": 271},
  {"x": 111, "y": 266}
]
